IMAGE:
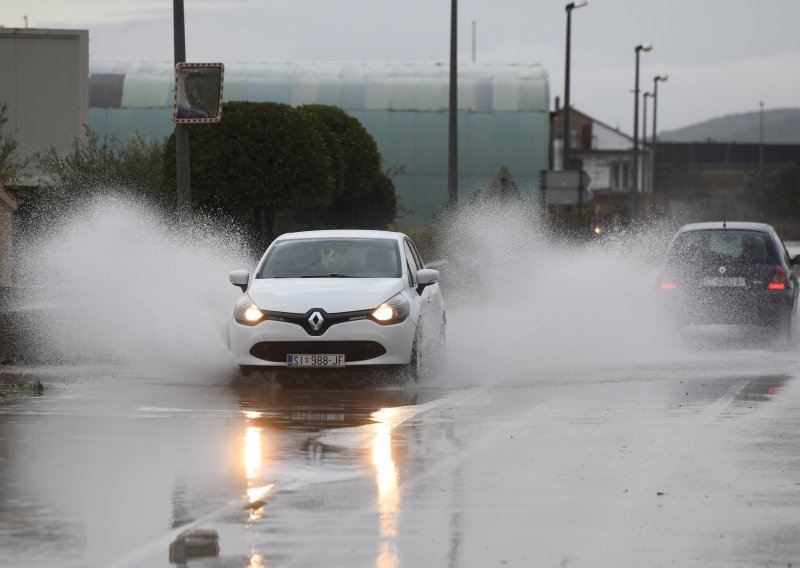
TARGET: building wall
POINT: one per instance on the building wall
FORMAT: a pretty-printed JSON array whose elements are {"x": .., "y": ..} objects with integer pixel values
[
  {"x": 701, "y": 181},
  {"x": 606, "y": 138},
  {"x": 45, "y": 84},
  {"x": 503, "y": 115},
  {"x": 604, "y": 152}
]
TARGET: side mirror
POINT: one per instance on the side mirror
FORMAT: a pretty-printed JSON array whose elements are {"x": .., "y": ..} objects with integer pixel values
[
  {"x": 240, "y": 278},
  {"x": 795, "y": 260},
  {"x": 427, "y": 276}
]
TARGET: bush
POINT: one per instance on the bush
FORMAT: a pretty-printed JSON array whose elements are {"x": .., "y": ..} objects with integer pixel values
[
  {"x": 277, "y": 168},
  {"x": 93, "y": 165}
]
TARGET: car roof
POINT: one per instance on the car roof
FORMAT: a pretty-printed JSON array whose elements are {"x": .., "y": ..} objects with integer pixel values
[
  {"x": 342, "y": 234},
  {"x": 727, "y": 225}
]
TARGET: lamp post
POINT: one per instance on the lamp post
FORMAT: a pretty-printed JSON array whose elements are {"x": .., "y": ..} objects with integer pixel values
[
  {"x": 654, "y": 149},
  {"x": 452, "y": 162},
  {"x": 761, "y": 145},
  {"x": 635, "y": 188},
  {"x": 565, "y": 157},
  {"x": 645, "y": 96}
]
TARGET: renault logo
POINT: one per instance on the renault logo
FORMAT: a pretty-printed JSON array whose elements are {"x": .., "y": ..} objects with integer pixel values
[
  {"x": 316, "y": 320},
  {"x": 722, "y": 270}
]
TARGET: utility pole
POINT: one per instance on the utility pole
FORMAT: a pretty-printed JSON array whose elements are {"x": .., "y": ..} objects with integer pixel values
[
  {"x": 474, "y": 41},
  {"x": 452, "y": 162},
  {"x": 654, "y": 148},
  {"x": 181, "y": 130},
  {"x": 645, "y": 161},
  {"x": 635, "y": 188},
  {"x": 565, "y": 157}
]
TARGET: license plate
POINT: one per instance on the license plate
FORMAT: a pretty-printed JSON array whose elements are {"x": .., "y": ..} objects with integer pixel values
[
  {"x": 724, "y": 282},
  {"x": 328, "y": 360}
]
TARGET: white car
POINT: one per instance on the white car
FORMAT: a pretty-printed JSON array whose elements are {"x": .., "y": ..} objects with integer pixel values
[{"x": 335, "y": 300}]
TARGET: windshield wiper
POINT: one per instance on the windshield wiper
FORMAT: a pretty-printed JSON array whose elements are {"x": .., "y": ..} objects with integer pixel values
[{"x": 334, "y": 275}]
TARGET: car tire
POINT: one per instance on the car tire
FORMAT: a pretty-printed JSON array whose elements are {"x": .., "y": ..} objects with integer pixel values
[
  {"x": 438, "y": 357},
  {"x": 442, "y": 347},
  {"x": 417, "y": 359},
  {"x": 256, "y": 374},
  {"x": 783, "y": 328}
]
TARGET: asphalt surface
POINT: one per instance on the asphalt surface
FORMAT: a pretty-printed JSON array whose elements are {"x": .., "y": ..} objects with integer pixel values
[
  {"x": 693, "y": 462},
  {"x": 562, "y": 432}
]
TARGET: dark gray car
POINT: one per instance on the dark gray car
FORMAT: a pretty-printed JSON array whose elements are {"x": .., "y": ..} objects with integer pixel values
[{"x": 729, "y": 273}]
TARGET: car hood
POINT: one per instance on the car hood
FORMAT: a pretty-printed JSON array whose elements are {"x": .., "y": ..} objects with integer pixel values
[{"x": 334, "y": 295}]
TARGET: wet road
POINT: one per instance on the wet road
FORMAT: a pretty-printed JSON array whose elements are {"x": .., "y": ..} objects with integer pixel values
[{"x": 692, "y": 462}]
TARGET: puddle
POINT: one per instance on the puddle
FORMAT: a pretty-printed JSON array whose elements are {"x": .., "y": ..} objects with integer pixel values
[
  {"x": 743, "y": 391},
  {"x": 313, "y": 410}
]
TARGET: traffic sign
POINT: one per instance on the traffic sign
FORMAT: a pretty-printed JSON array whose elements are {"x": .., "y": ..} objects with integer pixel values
[
  {"x": 561, "y": 187},
  {"x": 198, "y": 93}
]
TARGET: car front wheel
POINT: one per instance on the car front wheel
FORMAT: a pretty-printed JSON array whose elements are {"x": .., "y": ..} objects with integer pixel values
[{"x": 415, "y": 364}]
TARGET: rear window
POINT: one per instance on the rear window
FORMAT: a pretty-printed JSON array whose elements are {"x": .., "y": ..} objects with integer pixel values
[
  {"x": 332, "y": 258},
  {"x": 723, "y": 246}
]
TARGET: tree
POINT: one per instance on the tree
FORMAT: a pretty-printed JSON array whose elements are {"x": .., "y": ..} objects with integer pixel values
[
  {"x": 263, "y": 164},
  {"x": 89, "y": 168},
  {"x": 363, "y": 195},
  {"x": 276, "y": 168},
  {"x": 11, "y": 165}
]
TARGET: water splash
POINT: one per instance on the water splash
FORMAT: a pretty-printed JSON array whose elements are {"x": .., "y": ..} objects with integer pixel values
[
  {"x": 523, "y": 303},
  {"x": 118, "y": 282}
]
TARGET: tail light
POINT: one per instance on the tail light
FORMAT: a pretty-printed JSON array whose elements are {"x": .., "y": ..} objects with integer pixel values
[
  {"x": 668, "y": 286},
  {"x": 778, "y": 281}
]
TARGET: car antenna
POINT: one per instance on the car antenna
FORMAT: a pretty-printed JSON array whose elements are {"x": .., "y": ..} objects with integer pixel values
[{"x": 724, "y": 210}]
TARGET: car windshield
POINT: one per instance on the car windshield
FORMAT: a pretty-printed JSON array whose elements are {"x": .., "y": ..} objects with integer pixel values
[
  {"x": 332, "y": 258},
  {"x": 723, "y": 246}
]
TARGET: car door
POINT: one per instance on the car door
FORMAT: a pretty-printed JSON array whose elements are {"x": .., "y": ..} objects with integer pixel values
[
  {"x": 794, "y": 269},
  {"x": 430, "y": 299}
]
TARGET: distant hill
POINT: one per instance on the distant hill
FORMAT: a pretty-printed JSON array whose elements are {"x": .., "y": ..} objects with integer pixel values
[{"x": 781, "y": 126}]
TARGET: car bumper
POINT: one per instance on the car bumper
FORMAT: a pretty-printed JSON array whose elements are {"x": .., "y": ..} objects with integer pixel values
[
  {"x": 747, "y": 308},
  {"x": 364, "y": 343}
]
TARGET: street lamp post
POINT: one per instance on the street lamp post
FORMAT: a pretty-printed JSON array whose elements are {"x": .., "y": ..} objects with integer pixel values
[
  {"x": 761, "y": 146},
  {"x": 654, "y": 149},
  {"x": 635, "y": 188},
  {"x": 645, "y": 96},
  {"x": 452, "y": 163},
  {"x": 565, "y": 157}
]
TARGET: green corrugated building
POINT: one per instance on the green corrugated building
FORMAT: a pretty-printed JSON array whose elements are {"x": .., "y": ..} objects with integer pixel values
[{"x": 503, "y": 115}]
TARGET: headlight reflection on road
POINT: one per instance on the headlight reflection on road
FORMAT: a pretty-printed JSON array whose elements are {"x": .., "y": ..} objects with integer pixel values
[
  {"x": 388, "y": 492},
  {"x": 252, "y": 466},
  {"x": 256, "y": 561}
]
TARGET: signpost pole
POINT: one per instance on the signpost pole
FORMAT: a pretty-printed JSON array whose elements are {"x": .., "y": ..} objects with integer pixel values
[
  {"x": 565, "y": 187},
  {"x": 452, "y": 130},
  {"x": 181, "y": 130}
]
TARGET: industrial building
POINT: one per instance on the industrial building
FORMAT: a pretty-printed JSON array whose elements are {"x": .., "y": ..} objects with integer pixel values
[{"x": 503, "y": 115}]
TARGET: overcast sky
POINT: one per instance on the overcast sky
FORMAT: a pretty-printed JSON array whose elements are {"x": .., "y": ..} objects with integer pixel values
[{"x": 722, "y": 56}]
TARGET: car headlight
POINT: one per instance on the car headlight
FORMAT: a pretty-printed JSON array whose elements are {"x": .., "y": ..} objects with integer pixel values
[
  {"x": 246, "y": 312},
  {"x": 394, "y": 310}
]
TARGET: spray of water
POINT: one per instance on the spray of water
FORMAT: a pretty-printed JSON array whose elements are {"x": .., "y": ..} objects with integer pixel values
[
  {"x": 524, "y": 304},
  {"x": 118, "y": 282}
]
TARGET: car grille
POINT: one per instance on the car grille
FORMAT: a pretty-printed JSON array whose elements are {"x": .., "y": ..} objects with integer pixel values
[
  {"x": 328, "y": 319},
  {"x": 276, "y": 351}
]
